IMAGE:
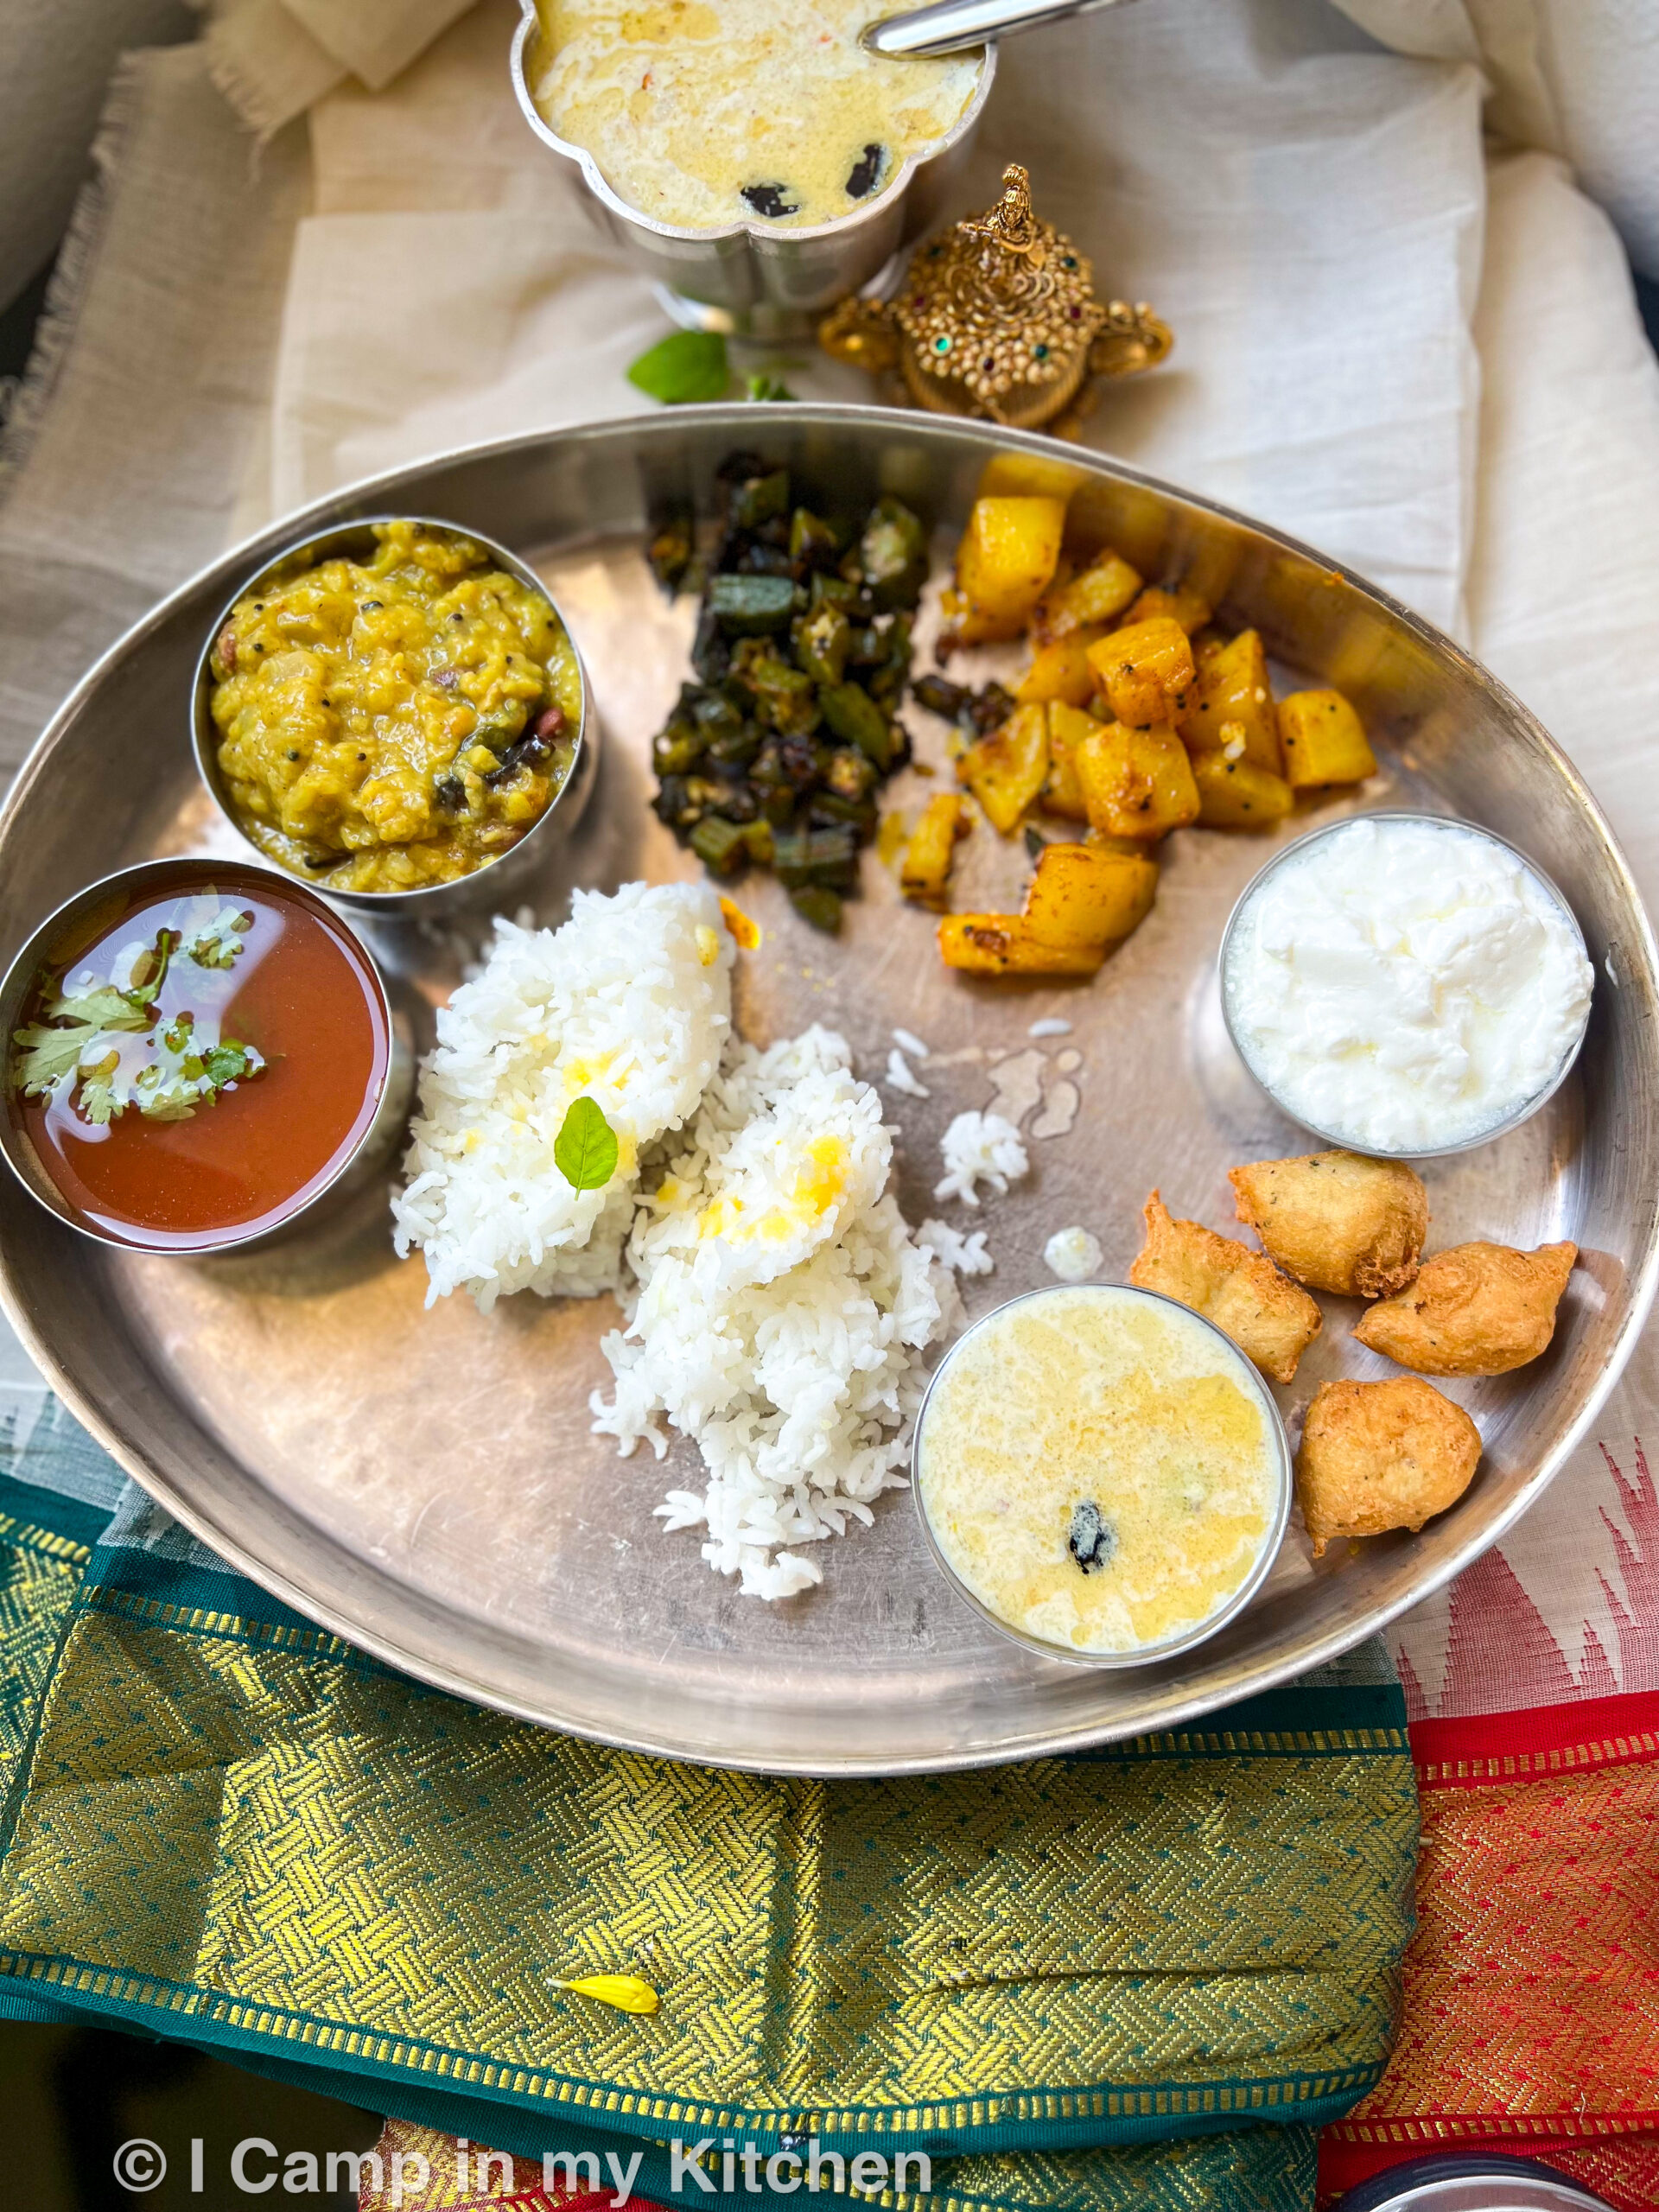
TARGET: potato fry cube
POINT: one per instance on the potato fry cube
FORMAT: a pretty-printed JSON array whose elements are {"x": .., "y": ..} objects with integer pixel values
[
  {"x": 1088, "y": 899},
  {"x": 1145, "y": 670},
  {"x": 1233, "y": 688},
  {"x": 1235, "y": 794},
  {"x": 1097, "y": 595},
  {"x": 927, "y": 862},
  {"x": 1067, "y": 727},
  {"x": 1007, "y": 769},
  {"x": 1324, "y": 741},
  {"x": 1005, "y": 944},
  {"x": 1135, "y": 783},
  {"x": 1376, "y": 1456},
  {"x": 1179, "y": 604},
  {"x": 1004, "y": 563},
  {"x": 1059, "y": 670},
  {"x": 1269, "y": 1319},
  {"x": 1029, "y": 475}
]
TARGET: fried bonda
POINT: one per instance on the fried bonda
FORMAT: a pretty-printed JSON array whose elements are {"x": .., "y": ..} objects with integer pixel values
[
  {"x": 1478, "y": 1309},
  {"x": 1337, "y": 1221},
  {"x": 1376, "y": 1456},
  {"x": 1270, "y": 1320}
]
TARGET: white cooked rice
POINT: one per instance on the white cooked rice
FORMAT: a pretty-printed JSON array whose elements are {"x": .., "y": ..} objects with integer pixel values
[
  {"x": 963, "y": 1255},
  {"x": 630, "y": 1004},
  {"x": 782, "y": 1312},
  {"x": 980, "y": 1148},
  {"x": 899, "y": 1077}
]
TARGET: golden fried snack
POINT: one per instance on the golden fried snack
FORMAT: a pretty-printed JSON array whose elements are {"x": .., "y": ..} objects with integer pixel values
[
  {"x": 1269, "y": 1318},
  {"x": 1478, "y": 1309},
  {"x": 1336, "y": 1220},
  {"x": 1381, "y": 1455}
]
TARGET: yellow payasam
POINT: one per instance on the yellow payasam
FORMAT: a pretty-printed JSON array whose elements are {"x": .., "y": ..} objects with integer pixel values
[
  {"x": 701, "y": 115},
  {"x": 388, "y": 724},
  {"x": 1098, "y": 1469}
]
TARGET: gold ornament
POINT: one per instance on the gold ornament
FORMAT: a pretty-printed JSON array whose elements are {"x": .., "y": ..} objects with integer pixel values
[{"x": 999, "y": 317}]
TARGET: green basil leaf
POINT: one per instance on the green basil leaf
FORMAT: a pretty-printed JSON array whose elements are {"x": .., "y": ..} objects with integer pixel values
[
  {"x": 762, "y": 385},
  {"x": 584, "y": 1152},
  {"x": 683, "y": 368}
]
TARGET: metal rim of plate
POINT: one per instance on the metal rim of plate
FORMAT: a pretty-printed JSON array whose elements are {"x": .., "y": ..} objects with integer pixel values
[{"x": 1432, "y": 708}]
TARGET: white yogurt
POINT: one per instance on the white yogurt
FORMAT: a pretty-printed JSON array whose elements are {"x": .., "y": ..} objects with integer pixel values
[{"x": 1404, "y": 985}]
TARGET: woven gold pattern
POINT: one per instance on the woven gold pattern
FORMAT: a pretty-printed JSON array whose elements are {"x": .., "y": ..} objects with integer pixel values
[
  {"x": 263, "y": 1835},
  {"x": 39, "y": 1574}
]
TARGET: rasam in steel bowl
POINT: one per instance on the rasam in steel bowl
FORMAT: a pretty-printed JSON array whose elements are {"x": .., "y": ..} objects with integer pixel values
[
  {"x": 499, "y": 880},
  {"x": 210, "y": 1180}
]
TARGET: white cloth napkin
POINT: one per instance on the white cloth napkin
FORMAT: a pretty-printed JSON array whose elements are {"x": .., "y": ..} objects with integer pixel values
[
  {"x": 1578, "y": 78},
  {"x": 274, "y": 58}
]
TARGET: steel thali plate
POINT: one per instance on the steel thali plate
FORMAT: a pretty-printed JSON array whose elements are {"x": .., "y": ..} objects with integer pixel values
[{"x": 426, "y": 1484}]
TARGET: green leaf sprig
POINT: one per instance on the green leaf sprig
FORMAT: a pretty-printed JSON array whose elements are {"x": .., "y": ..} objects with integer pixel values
[
  {"x": 60, "y": 1054},
  {"x": 585, "y": 1150},
  {"x": 687, "y": 368}
]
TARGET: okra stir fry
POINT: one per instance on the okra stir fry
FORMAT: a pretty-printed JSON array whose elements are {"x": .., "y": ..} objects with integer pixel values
[{"x": 774, "y": 756}]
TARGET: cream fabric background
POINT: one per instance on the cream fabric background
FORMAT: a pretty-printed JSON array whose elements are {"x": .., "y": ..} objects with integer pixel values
[{"x": 1577, "y": 78}]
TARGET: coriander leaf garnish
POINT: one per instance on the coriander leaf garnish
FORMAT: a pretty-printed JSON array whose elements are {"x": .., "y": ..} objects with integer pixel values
[
  {"x": 53, "y": 1047},
  {"x": 150, "y": 970},
  {"x": 585, "y": 1150},
  {"x": 49, "y": 1055},
  {"x": 683, "y": 368},
  {"x": 218, "y": 944},
  {"x": 103, "y": 1008},
  {"x": 229, "y": 1061},
  {"x": 99, "y": 1102},
  {"x": 59, "y": 1055}
]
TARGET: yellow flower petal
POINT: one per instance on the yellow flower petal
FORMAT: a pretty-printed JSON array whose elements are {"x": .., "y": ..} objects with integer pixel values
[{"x": 626, "y": 1991}]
